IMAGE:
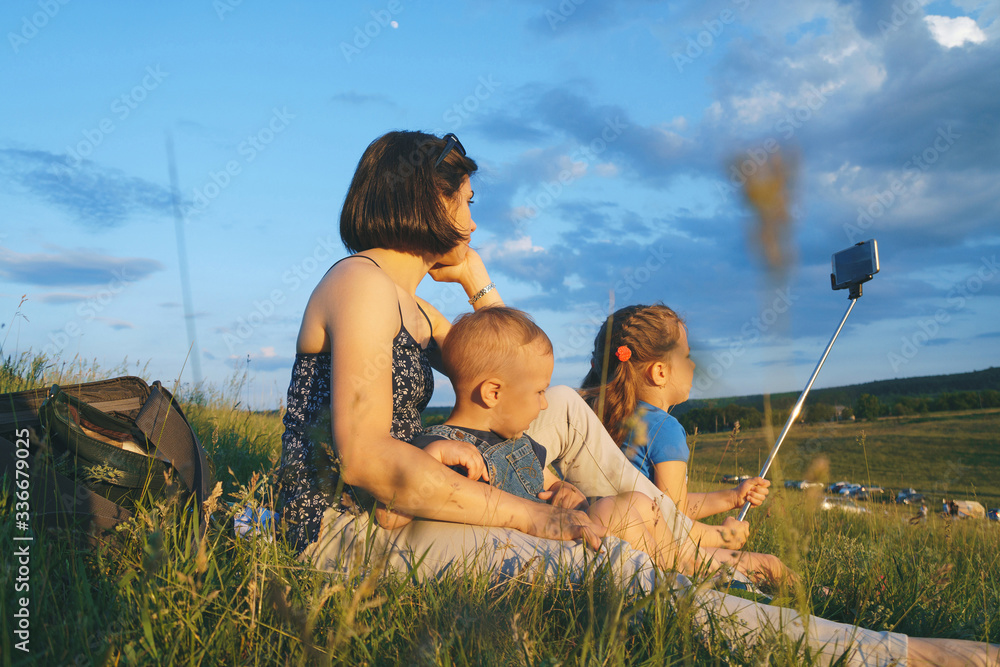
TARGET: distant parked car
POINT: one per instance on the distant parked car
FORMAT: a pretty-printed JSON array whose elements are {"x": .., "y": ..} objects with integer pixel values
[
  {"x": 874, "y": 493},
  {"x": 993, "y": 514},
  {"x": 836, "y": 487},
  {"x": 842, "y": 503},
  {"x": 909, "y": 497},
  {"x": 802, "y": 485},
  {"x": 734, "y": 479}
]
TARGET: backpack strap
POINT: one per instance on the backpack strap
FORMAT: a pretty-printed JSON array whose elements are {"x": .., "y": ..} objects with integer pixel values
[{"x": 162, "y": 421}]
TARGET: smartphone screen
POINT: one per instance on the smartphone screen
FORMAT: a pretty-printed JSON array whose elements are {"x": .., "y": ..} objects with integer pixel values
[{"x": 856, "y": 264}]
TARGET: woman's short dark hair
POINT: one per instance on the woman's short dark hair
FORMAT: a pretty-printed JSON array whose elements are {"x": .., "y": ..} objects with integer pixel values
[{"x": 395, "y": 196}]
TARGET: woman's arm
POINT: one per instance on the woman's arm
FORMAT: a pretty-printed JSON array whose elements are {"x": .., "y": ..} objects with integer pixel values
[
  {"x": 359, "y": 315},
  {"x": 450, "y": 453}
]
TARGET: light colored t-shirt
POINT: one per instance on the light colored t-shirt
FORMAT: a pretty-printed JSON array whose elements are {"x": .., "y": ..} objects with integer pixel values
[{"x": 666, "y": 440}]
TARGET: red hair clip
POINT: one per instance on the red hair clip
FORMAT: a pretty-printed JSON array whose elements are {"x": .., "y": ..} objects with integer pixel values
[{"x": 623, "y": 353}]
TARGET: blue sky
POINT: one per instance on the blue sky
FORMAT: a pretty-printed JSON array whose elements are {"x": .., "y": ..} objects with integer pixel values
[{"x": 605, "y": 133}]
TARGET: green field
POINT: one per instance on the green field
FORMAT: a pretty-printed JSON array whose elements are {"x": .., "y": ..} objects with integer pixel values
[
  {"x": 943, "y": 455},
  {"x": 155, "y": 594}
]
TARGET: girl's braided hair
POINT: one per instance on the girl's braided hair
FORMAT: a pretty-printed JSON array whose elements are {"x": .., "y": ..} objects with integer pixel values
[{"x": 612, "y": 385}]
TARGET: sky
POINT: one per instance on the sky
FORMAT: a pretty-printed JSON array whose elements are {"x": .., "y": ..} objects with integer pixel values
[{"x": 613, "y": 139}]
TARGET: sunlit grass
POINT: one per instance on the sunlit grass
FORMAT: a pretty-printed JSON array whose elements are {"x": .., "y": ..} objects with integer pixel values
[{"x": 156, "y": 594}]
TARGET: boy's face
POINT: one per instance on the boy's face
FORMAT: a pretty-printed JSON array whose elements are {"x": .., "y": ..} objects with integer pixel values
[{"x": 523, "y": 394}]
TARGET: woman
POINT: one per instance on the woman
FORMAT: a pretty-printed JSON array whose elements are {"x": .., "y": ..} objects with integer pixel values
[
  {"x": 365, "y": 349},
  {"x": 364, "y": 355}
]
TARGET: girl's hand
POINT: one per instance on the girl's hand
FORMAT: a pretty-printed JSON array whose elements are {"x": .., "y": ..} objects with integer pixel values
[
  {"x": 462, "y": 454},
  {"x": 754, "y": 490},
  {"x": 565, "y": 495},
  {"x": 734, "y": 533}
]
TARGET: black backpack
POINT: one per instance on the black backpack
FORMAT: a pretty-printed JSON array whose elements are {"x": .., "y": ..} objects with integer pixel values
[{"x": 86, "y": 454}]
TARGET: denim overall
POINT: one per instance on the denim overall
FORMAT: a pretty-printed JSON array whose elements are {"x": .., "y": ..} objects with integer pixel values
[{"x": 512, "y": 464}]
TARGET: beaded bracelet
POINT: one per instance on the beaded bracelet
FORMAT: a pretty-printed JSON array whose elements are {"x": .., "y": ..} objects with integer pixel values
[{"x": 481, "y": 293}]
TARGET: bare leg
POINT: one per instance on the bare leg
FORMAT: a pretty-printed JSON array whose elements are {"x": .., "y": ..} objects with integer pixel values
[
  {"x": 585, "y": 455},
  {"x": 761, "y": 568},
  {"x": 946, "y": 652},
  {"x": 619, "y": 515}
]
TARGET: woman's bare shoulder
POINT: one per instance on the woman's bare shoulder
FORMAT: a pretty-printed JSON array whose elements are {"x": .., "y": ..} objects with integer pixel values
[
  {"x": 354, "y": 273},
  {"x": 351, "y": 292}
]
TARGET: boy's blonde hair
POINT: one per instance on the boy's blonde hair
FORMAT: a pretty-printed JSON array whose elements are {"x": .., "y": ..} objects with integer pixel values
[{"x": 487, "y": 342}]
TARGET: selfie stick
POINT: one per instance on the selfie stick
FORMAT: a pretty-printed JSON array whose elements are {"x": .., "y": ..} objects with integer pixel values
[{"x": 854, "y": 294}]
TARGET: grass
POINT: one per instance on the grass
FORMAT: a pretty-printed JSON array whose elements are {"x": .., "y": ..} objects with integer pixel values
[
  {"x": 156, "y": 594},
  {"x": 942, "y": 454}
]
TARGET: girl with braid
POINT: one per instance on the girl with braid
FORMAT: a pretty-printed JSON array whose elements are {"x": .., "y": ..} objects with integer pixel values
[{"x": 647, "y": 369}]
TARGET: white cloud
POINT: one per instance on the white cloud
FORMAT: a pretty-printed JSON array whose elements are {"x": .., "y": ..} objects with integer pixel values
[
  {"x": 952, "y": 32},
  {"x": 118, "y": 325},
  {"x": 521, "y": 245},
  {"x": 606, "y": 169}
]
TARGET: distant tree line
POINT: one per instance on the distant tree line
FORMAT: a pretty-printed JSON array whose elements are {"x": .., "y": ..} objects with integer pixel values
[
  {"x": 889, "y": 392},
  {"x": 870, "y": 407},
  {"x": 713, "y": 419}
]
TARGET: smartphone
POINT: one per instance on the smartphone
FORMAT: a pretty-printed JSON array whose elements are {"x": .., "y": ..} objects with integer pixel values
[{"x": 855, "y": 265}]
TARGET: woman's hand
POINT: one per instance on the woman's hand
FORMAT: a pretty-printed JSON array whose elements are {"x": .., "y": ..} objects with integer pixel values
[
  {"x": 454, "y": 273},
  {"x": 565, "y": 495},
  {"x": 754, "y": 490},
  {"x": 460, "y": 453},
  {"x": 556, "y": 523},
  {"x": 471, "y": 274}
]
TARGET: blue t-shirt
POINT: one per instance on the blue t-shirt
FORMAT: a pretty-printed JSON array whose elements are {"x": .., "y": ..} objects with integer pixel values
[{"x": 666, "y": 440}]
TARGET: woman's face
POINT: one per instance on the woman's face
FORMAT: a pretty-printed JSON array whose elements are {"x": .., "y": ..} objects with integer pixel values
[{"x": 459, "y": 208}]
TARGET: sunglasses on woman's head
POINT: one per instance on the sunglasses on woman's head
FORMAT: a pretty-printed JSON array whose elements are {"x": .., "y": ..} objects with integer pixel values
[{"x": 453, "y": 142}]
